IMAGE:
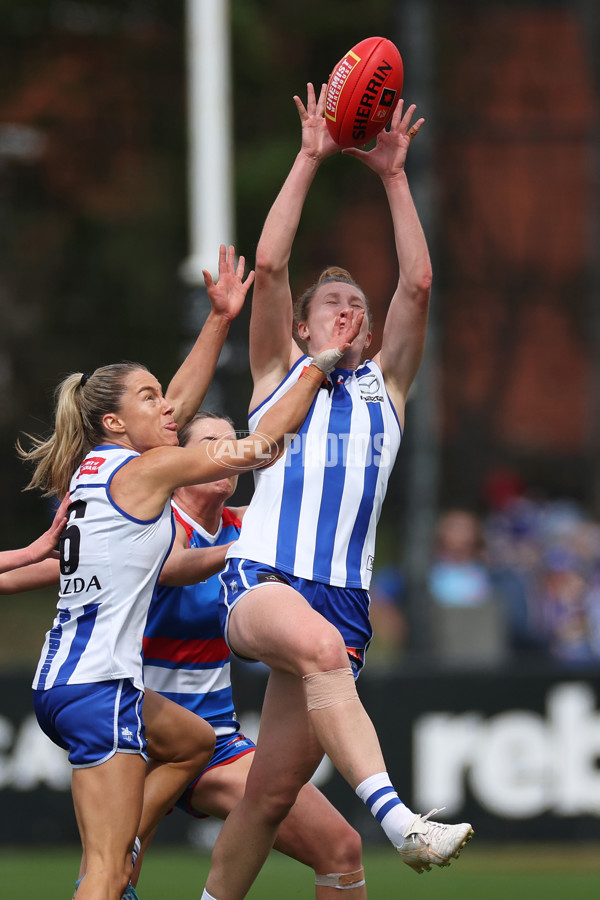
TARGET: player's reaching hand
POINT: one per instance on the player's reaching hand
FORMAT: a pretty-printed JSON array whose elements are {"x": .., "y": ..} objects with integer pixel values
[
  {"x": 228, "y": 294},
  {"x": 42, "y": 548},
  {"x": 188, "y": 387},
  {"x": 388, "y": 156},
  {"x": 317, "y": 143}
]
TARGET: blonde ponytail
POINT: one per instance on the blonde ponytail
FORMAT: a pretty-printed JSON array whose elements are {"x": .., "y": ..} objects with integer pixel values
[{"x": 82, "y": 401}]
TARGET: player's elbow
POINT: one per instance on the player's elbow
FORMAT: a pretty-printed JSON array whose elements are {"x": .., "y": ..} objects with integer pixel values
[
  {"x": 416, "y": 283},
  {"x": 422, "y": 282},
  {"x": 420, "y": 291},
  {"x": 263, "y": 262},
  {"x": 267, "y": 266}
]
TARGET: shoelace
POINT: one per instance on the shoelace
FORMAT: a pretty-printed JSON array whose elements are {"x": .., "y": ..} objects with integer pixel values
[{"x": 437, "y": 829}]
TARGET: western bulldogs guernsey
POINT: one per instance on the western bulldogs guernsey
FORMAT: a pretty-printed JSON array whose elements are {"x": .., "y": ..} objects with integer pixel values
[
  {"x": 109, "y": 565},
  {"x": 314, "y": 512},
  {"x": 185, "y": 655}
]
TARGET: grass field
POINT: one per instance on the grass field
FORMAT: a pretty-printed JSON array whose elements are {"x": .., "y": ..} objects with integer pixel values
[{"x": 485, "y": 872}]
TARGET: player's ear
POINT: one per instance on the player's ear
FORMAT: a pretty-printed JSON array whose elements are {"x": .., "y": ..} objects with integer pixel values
[
  {"x": 303, "y": 332},
  {"x": 113, "y": 424}
]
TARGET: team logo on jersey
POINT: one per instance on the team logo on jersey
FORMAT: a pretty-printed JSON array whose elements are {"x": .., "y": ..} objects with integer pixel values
[
  {"x": 91, "y": 466},
  {"x": 370, "y": 388},
  {"x": 127, "y": 733}
]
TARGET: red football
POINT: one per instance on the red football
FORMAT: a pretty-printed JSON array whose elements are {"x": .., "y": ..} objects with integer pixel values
[{"x": 362, "y": 91}]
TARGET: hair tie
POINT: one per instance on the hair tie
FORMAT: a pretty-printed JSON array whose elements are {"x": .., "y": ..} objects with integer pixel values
[{"x": 84, "y": 379}]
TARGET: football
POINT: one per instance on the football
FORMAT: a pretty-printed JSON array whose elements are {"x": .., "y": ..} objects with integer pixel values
[{"x": 363, "y": 91}]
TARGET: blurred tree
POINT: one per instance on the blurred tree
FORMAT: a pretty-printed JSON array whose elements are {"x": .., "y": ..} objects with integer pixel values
[
  {"x": 93, "y": 214},
  {"x": 93, "y": 227},
  {"x": 90, "y": 232},
  {"x": 517, "y": 107}
]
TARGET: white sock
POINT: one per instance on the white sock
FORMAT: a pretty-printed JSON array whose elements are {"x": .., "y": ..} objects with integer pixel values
[
  {"x": 137, "y": 847},
  {"x": 378, "y": 793},
  {"x": 207, "y": 896}
]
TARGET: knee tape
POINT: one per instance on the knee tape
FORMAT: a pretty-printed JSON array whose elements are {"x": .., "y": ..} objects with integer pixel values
[
  {"x": 340, "y": 881},
  {"x": 325, "y": 689}
]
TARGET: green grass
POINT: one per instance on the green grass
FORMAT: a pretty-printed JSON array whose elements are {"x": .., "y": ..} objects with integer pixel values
[{"x": 484, "y": 872}]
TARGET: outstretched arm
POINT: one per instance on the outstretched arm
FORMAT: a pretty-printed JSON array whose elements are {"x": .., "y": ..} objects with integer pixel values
[
  {"x": 190, "y": 565},
  {"x": 406, "y": 320},
  {"x": 142, "y": 487},
  {"x": 272, "y": 348},
  {"x": 29, "y": 578},
  {"x": 39, "y": 549},
  {"x": 190, "y": 383}
]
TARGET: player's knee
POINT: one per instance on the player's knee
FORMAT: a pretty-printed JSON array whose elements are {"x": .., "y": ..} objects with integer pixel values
[
  {"x": 326, "y": 651},
  {"x": 207, "y": 740},
  {"x": 347, "y": 853},
  {"x": 338, "y": 850},
  {"x": 204, "y": 733},
  {"x": 200, "y": 745},
  {"x": 274, "y": 802}
]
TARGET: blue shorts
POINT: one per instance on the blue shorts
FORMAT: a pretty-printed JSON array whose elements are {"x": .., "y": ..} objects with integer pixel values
[
  {"x": 229, "y": 747},
  {"x": 346, "y": 608},
  {"x": 93, "y": 721}
]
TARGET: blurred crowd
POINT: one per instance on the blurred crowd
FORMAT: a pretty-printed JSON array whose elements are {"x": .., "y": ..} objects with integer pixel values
[{"x": 521, "y": 581}]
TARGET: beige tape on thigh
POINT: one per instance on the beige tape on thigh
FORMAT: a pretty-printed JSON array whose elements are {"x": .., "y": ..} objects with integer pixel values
[
  {"x": 325, "y": 689},
  {"x": 340, "y": 881}
]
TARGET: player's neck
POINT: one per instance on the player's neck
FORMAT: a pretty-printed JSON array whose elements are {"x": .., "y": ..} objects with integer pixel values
[{"x": 204, "y": 513}]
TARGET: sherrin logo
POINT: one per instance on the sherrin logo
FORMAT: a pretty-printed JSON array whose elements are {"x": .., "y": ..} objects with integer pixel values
[{"x": 375, "y": 103}]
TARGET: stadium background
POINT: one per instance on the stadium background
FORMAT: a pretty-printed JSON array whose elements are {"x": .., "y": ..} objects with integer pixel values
[{"x": 93, "y": 213}]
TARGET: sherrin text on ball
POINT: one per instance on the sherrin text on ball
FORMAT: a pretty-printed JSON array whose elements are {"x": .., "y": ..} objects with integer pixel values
[{"x": 363, "y": 90}]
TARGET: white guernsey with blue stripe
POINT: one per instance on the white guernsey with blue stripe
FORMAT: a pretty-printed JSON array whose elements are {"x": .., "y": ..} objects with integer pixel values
[
  {"x": 314, "y": 512},
  {"x": 109, "y": 565}
]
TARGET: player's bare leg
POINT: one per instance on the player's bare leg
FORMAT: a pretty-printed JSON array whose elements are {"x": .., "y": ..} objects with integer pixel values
[
  {"x": 314, "y": 832},
  {"x": 286, "y": 756},
  {"x": 304, "y": 643},
  {"x": 108, "y": 801},
  {"x": 180, "y": 745}
]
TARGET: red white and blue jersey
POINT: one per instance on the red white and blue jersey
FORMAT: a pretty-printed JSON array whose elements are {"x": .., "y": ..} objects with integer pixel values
[
  {"x": 110, "y": 563},
  {"x": 185, "y": 655},
  {"x": 315, "y": 511}
]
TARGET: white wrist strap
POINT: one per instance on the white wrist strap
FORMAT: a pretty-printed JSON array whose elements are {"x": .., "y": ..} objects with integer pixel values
[{"x": 327, "y": 360}]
